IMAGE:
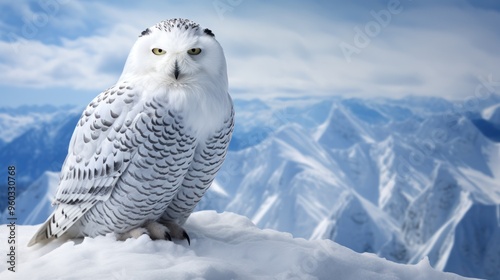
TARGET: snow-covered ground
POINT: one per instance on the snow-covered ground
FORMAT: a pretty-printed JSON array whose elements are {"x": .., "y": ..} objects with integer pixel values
[{"x": 223, "y": 246}]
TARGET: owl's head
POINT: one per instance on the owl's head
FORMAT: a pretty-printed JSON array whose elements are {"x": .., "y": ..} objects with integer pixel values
[{"x": 177, "y": 52}]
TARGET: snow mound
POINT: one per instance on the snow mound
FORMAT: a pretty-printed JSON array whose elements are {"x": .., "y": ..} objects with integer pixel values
[{"x": 224, "y": 246}]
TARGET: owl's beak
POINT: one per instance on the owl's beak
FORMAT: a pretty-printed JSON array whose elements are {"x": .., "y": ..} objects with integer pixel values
[{"x": 176, "y": 70}]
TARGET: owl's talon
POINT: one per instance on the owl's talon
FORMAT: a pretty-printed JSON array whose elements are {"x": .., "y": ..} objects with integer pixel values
[
  {"x": 186, "y": 236},
  {"x": 176, "y": 231},
  {"x": 158, "y": 231},
  {"x": 167, "y": 236}
]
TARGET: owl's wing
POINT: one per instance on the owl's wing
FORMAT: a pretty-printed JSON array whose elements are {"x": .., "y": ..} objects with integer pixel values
[
  {"x": 206, "y": 162},
  {"x": 99, "y": 152}
]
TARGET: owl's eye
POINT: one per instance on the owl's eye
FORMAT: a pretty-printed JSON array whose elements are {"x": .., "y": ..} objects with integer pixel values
[
  {"x": 159, "y": 51},
  {"x": 194, "y": 51}
]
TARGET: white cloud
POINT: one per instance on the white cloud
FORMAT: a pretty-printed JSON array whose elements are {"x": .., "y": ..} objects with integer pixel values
[
  {"x": 424, "y": 50},
  {"x": 74, "y": 64}
]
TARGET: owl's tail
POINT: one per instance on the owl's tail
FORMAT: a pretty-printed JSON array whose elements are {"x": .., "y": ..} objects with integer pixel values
[
  {"x": 44, "y": 233},
  {"x": 63, "y": 218}
]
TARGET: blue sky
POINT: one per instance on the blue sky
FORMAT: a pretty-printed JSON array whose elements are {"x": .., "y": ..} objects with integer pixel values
[{"x": 66, "y": 52}]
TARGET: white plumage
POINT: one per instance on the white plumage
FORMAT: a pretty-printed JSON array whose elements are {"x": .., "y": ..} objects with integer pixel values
[{"x": 145, "y": 151}]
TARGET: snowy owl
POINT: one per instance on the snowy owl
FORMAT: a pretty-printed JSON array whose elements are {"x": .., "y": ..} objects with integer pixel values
[{"x": 145, "y": 150}]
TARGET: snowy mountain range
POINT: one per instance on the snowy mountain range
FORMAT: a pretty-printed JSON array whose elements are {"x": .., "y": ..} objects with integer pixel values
[{"x": 402, "y": 178}]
